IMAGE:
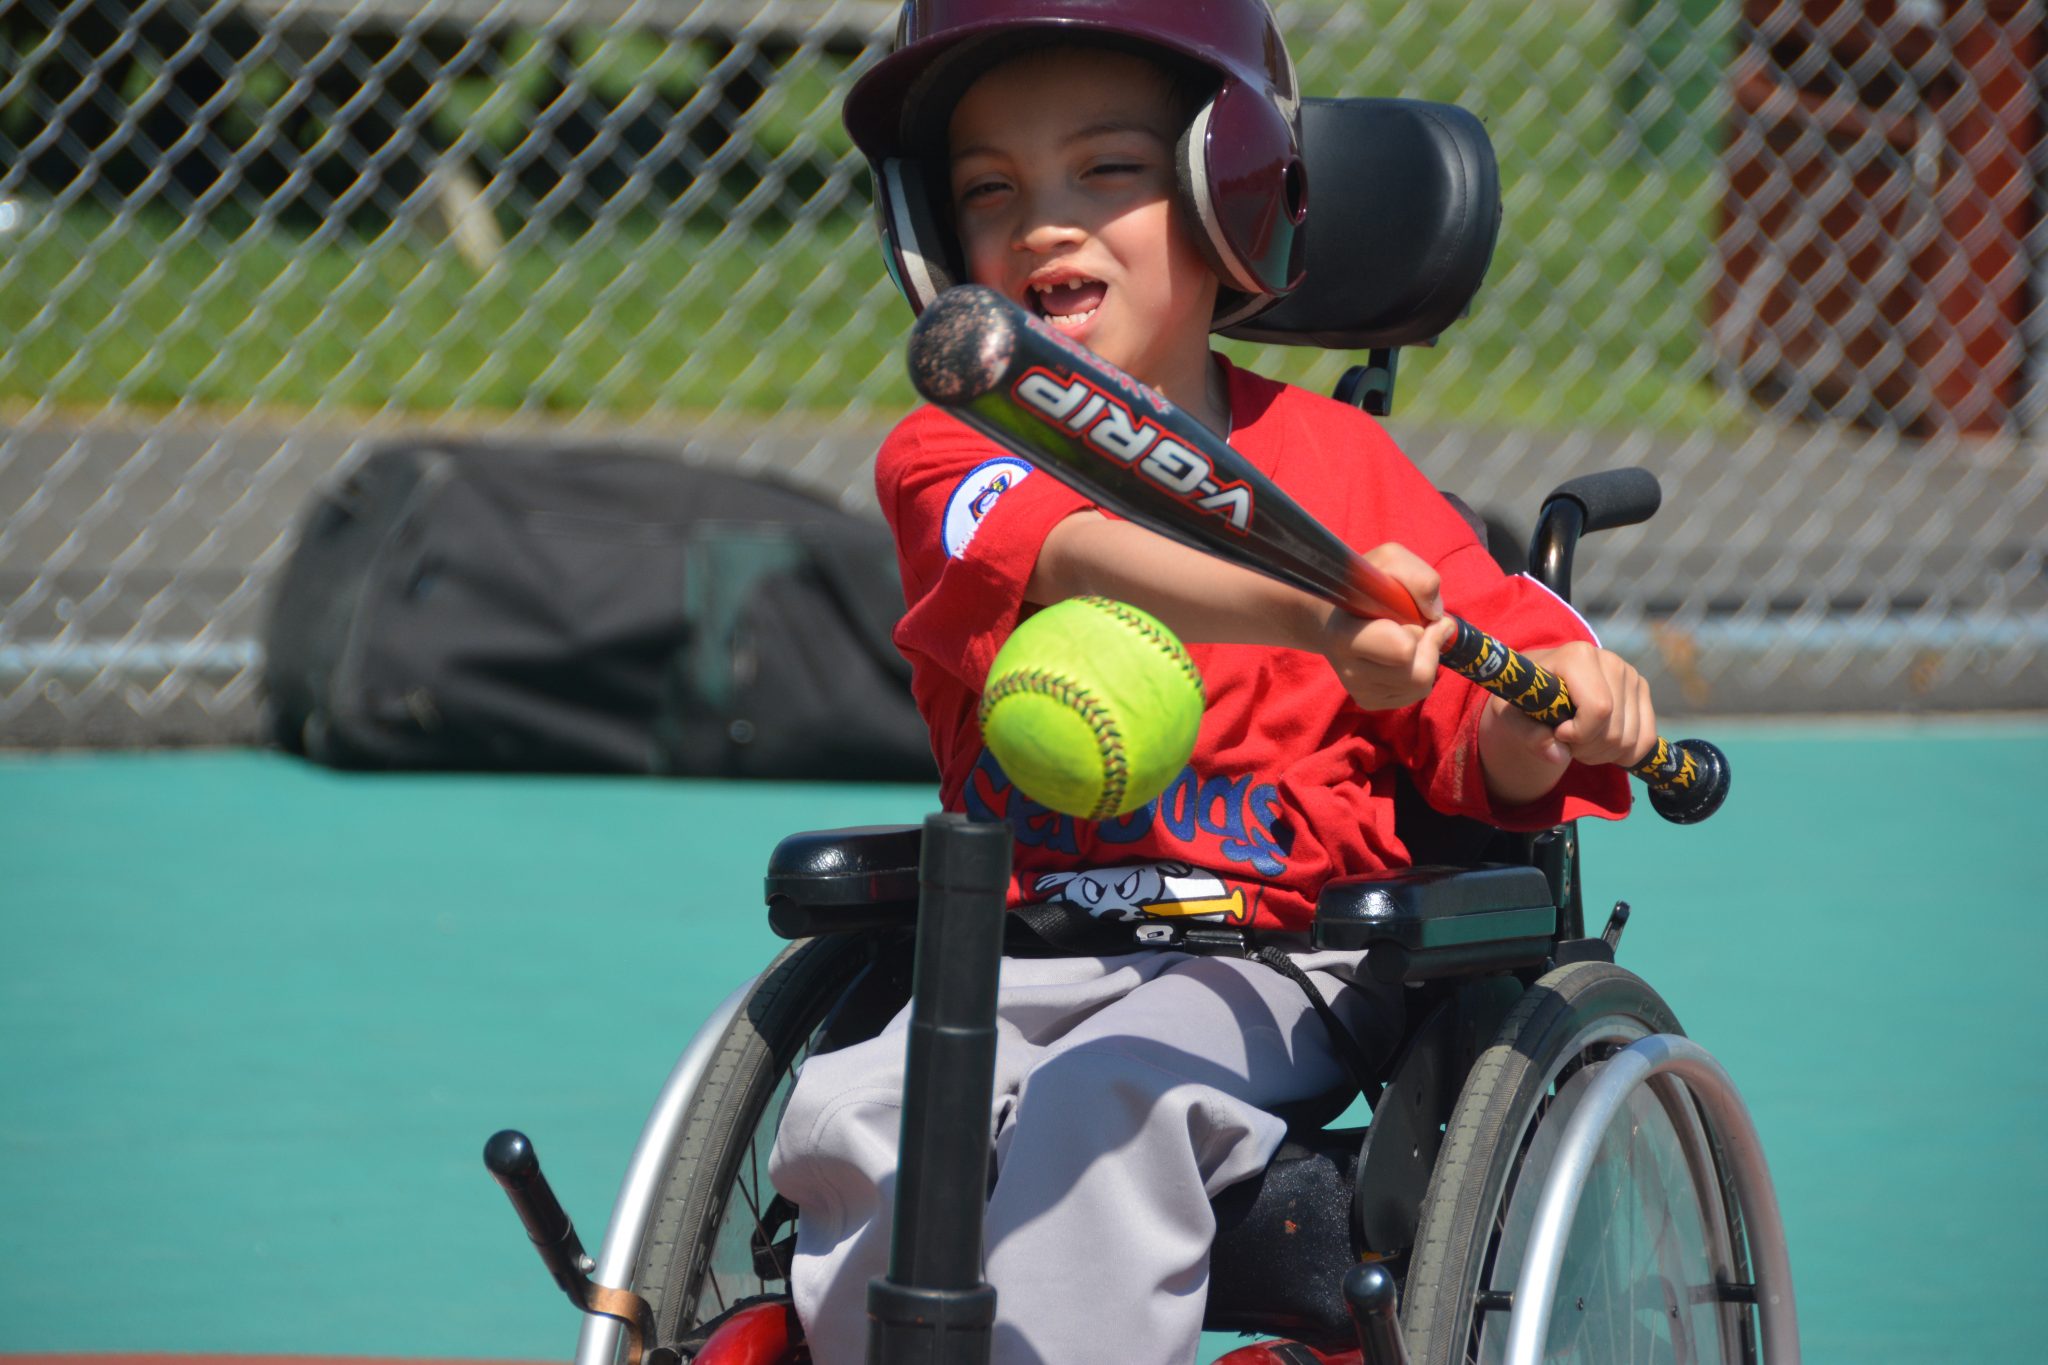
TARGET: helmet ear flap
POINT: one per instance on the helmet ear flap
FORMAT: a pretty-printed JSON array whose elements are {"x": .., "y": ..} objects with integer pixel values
[
  {"x": 1243, "y": 185},
  {"x": 914, "y": 240}
]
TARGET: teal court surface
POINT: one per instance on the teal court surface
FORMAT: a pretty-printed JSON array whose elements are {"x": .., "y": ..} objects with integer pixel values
[{"x": 257, "y": 1019}]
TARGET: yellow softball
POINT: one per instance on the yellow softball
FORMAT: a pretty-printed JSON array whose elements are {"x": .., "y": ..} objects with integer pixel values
[{"x": 1092, "y": 707}]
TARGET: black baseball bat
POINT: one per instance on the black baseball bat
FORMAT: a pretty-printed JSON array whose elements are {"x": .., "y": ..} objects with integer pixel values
[{"x": 1124, "y": 446}]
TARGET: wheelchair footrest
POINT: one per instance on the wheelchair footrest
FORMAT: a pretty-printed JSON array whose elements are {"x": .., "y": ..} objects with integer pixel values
[{"x": 1423, "y": 922}]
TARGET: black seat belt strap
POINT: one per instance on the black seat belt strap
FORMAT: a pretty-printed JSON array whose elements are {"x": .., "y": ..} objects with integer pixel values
[{"x": 1363, "y": 1073}]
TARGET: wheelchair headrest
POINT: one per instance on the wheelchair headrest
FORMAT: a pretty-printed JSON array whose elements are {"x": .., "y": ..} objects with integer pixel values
[{"x": 1404, "y": 206}]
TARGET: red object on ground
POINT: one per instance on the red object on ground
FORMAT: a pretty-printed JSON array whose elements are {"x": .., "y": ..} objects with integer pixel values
[
  {"x": 764, "y": 1334},
  {"x": 1878, "y": 204},
  {"x": 1287, "y": 1353}
]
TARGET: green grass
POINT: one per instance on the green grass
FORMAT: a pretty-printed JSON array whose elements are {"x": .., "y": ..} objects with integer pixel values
[
  {"x": 1592, "y": 314},
  {"x": 648, "y": 319}
]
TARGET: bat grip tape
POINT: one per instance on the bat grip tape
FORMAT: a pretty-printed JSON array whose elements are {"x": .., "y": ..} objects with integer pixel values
[
  {"x": 1536, "y": 692},
  {"x": 1669, "y": 769}
]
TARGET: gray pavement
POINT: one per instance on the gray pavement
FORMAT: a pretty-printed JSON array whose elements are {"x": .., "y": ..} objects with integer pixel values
[{"x": 1797, "y": 570}]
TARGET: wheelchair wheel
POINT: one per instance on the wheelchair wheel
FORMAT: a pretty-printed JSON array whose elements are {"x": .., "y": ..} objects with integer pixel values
[
  {"x": 1655, "y": 1237},
  {"x": 720, "y": 1233}
]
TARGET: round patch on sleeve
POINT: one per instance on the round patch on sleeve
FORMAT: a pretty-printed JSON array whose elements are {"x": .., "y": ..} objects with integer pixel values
[{"x": 974, "y": 496}]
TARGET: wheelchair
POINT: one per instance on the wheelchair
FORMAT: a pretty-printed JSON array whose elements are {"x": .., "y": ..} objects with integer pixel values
[{"x": 1551, "y": 1170}]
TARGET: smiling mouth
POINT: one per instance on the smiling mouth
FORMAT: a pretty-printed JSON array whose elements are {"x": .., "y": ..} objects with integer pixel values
[{"x": 1068, "y": 303}]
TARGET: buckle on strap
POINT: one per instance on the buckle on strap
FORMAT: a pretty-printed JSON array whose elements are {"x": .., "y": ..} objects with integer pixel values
[
  {"x": 1206, "y": 940},
  {"x": 1071, "y": 929}
]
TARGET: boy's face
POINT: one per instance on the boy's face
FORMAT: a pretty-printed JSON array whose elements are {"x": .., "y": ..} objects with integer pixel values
[{"x": 1063, "y": 190}]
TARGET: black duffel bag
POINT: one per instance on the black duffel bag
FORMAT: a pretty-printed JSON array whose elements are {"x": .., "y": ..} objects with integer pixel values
[{"x": 538, "y": 609}]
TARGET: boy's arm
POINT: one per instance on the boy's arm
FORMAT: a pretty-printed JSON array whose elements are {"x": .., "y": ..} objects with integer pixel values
[
  {"x": 1614, "y": 721},
  {"x": 1204, "y": 600},
  {"x": 1383, "y": 665}
]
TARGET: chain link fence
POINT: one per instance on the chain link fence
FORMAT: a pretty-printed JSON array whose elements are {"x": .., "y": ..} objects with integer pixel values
[{"x": 1787, "y": 255}]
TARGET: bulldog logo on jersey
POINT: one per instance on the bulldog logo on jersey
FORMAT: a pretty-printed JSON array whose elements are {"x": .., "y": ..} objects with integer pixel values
[
  {"x": 974, "y": 496},
  {"x": 1148, "y": 891}
]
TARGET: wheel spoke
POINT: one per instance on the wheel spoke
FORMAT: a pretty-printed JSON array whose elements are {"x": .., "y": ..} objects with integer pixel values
[
  {"x": 735, "y": 1243},
  {"x": 717, "y": 1202},
  {"x": 1639, "y": 1240},
  {"x": 750, "y": 1192}
]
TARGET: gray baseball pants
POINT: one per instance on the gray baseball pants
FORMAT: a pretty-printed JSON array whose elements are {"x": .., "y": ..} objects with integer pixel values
[{"x": 1128, "y": 1091}]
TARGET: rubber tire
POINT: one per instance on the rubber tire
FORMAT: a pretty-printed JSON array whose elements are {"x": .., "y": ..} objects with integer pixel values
[
  {"x": 787, "y": 1006},
  {"x": 1483, "y": 1142}
]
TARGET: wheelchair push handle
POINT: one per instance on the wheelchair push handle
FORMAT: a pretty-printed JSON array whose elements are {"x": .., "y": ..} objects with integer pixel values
[{"x": 1577, "y": 507}]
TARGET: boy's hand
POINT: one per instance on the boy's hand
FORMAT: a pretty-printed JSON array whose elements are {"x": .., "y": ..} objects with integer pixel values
[
  {"x": 1615, "y": 722},
  {"x": 1385, "y": 665}
]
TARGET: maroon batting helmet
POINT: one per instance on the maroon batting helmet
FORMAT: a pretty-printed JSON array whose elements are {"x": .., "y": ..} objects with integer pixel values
[{"x": 1241, "y": 178}]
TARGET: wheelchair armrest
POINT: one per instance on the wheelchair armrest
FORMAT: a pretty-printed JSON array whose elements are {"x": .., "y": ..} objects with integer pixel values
[
  {"x": 830, "y": 881},
  {"x": 1425, "y": 922}
]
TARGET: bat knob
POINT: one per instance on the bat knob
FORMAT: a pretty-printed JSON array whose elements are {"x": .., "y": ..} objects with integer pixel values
[{"x": 1693, "y": 800}]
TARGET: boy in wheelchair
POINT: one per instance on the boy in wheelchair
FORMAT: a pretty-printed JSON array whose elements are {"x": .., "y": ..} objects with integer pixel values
[{"x": 1132, "y": 174}]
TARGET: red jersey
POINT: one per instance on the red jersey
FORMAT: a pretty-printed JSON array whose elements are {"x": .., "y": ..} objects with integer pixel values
[{"x": 1291, "y": 783}]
